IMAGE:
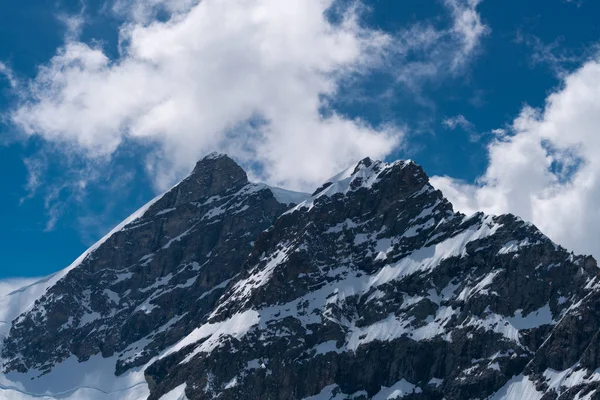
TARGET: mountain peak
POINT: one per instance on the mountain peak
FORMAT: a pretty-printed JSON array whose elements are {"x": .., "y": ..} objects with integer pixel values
[
  {"x": 365, "y": 162},
  {"x": 213, "y": 174},
  {"x": 218, "y": 162},
  {"x": 366, "y": 173},
  {"x": 214, "y": 155}
]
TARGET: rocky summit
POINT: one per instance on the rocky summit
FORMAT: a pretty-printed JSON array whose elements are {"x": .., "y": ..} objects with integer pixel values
[{"x": 373, "y": 287}]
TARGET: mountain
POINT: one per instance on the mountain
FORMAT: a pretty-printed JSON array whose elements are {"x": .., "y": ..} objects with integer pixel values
[{"x": 373, "y": 287}]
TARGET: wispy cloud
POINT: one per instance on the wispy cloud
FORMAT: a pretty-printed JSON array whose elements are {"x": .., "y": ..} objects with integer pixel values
[
  {"x": 9, "y": 75},
  {"x": 459, "y": 121},
  {"x": 62, "y": 179},
  {"x": 36, "y": 169},
  {"x": 73, "y": 23},
  {"x": 555, "y": 55},
  {"x": 468, "y": 28},
  {"x": 429, "y": 52},
  {"x": 578, "y": 3}
]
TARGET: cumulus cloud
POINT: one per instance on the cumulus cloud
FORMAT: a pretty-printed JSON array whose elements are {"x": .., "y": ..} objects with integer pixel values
[
  {"x": 546, "y": 168},
  {"x": 205, "y": 80},
  {"x": 248, "y": 77}
]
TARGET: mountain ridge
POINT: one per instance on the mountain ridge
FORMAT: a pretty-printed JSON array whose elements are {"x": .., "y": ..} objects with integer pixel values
[{"x": 374, "y": 263}]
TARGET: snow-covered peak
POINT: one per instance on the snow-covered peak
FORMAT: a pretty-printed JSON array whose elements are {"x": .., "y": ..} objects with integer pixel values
[{"x": 362, "y": 175}]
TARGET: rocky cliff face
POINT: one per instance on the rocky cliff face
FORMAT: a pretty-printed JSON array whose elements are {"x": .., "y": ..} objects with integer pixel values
[
  {"x": 147, "y": 284},
  {"x": 373, "y": 287}
]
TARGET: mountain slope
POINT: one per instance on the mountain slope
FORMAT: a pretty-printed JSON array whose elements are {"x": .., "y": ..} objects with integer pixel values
[
  {"x": 373, "y": 287},
  {"x": 143, "y": 287},
  {"x": 373, "y": 283}
]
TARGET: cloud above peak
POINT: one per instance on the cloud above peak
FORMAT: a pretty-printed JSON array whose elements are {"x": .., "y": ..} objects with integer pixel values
[
  {"x": 201, "y": 81},
  {"x": 252, "y": 78},
  {"x": 546, "y": 168}
]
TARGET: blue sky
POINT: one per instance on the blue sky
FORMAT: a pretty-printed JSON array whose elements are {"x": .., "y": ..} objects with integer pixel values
[{"x": 446, "y": 83}]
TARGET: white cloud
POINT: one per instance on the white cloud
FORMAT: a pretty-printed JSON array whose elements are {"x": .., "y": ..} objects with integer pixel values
[
  {"x": 560, "y": 59},
  {"x": 73, "y": 23},
  {"x": 192, "y": 83},
  {"x": 458, "y": 121},
  {"x": 468, "y": 28},
  {"x": 248, "y": 77},
  {"x": 8, "y": 75},
  {"x": 546, "y": 169},
  {"x": 144, "y": 11},
  {"x": 429, "y": 52},
  {"x": 36, "y": 169}
]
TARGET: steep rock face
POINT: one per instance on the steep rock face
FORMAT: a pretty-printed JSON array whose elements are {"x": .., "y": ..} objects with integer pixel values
[
  {"x": 373, "y": 286},
  {"x": 567, "y": 365},
  {"x": 148, "y": 284}
]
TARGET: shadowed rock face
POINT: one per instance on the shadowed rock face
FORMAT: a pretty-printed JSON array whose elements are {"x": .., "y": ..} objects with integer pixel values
[
  {"x": 372, "y": 287},
  {"x": 148, "y": 284}
]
